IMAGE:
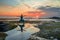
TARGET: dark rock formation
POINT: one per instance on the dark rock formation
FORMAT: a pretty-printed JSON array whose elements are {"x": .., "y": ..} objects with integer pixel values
[{"x": 3, "y": 27}]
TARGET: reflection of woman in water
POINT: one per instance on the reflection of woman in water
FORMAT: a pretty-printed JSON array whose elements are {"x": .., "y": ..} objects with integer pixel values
[{"x": 21, "y": 26}]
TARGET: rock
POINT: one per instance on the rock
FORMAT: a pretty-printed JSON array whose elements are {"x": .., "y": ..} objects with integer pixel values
[{"x": 2, "y": 36}]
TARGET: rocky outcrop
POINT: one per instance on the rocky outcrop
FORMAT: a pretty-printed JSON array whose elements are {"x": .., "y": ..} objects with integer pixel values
[
  {"x": 34, "y": 37},
  {"x": 2, "y": 36}
]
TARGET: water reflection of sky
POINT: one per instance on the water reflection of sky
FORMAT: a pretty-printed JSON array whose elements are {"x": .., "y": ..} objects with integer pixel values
[{"x": 17, "y": 35}]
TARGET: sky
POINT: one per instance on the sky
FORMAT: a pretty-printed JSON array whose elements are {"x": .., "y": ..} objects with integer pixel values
[{"x": 16, "y": 7}]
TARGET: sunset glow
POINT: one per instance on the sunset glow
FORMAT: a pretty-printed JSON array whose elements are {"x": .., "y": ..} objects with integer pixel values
[{"x": 23, "y": 9}]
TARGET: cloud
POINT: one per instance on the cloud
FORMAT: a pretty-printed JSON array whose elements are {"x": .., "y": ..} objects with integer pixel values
[
  {"x": 53, "y": 3},
  {"x": 51, "y": 11},
  {"x": 34, "y": 3},
  {"x": 8, "y": 2}
]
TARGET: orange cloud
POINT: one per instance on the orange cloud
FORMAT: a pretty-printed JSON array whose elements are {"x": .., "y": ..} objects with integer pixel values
[{"x": 22, "y": 9}]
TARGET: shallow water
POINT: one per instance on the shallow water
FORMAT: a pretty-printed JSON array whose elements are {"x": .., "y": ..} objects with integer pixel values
[{"x": 18, "y": 35}]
